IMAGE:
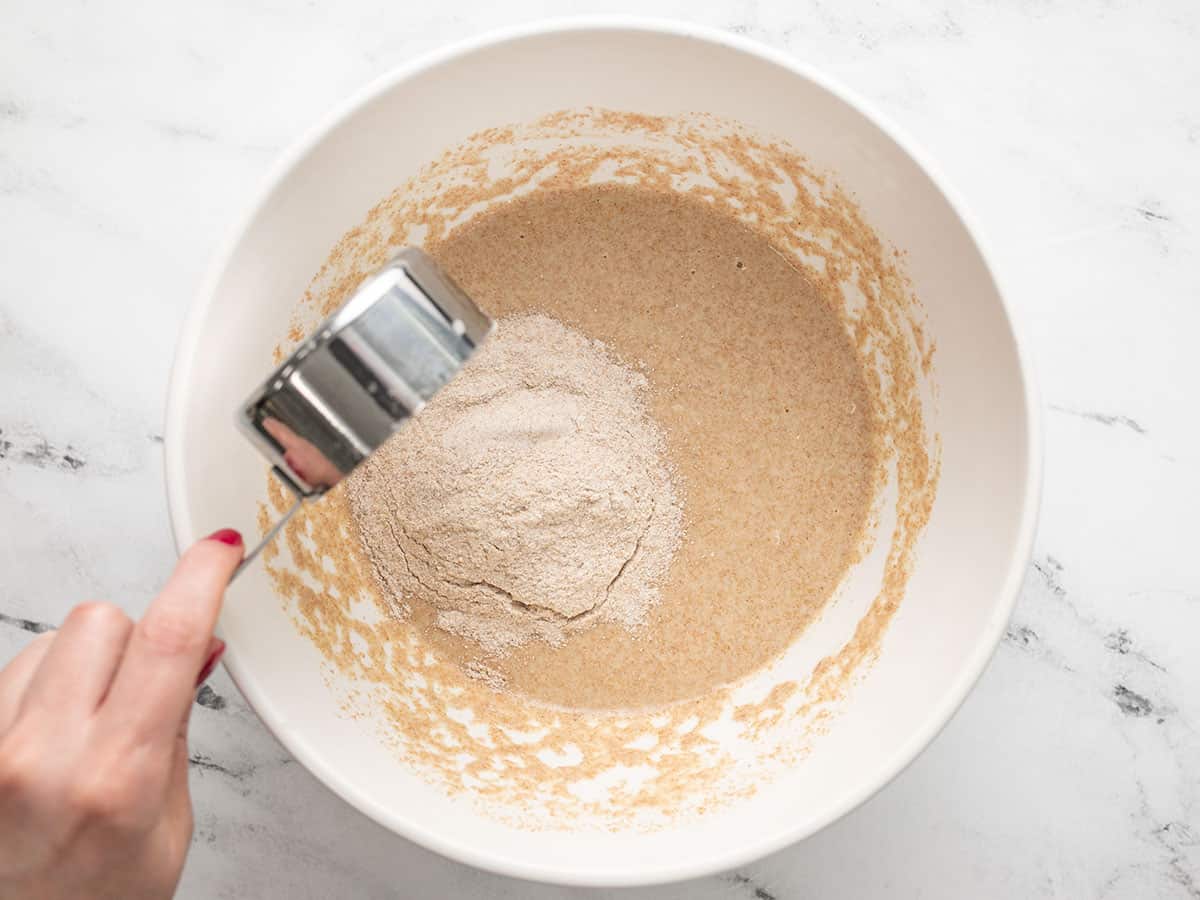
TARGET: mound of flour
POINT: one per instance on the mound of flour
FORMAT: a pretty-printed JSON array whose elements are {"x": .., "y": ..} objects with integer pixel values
[{"x": 530, "y": 497}]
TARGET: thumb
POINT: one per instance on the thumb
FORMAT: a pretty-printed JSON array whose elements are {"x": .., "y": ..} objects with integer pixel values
[
  {"x": 156, "y": 684},
  {"x": 216, "y": 649}
]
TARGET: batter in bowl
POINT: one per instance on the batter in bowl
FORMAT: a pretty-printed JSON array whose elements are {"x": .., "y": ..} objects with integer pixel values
[
  {"x": 766, "y": 428},
  {"x": 717, "y": 326}
]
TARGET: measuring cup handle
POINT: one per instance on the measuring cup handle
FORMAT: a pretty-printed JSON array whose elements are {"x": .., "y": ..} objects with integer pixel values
[{"x": 267, "y": 538}]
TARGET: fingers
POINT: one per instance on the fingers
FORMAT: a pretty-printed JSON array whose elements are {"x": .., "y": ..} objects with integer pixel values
[
  {"x": 15, "y": 677},
  {"x": 78, "y": 668},
  {"x": 284, "y": 435},
  {"x": 179, "y": 804},
  {"x": 177, "y": 822},
  {"x": 302, "y": 456},
  {"x": 155, "y": 684},
  {"x": 216, "y": 649}
]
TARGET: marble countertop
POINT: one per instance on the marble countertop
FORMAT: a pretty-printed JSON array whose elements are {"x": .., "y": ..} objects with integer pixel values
[{"x": 131, "y": 135}]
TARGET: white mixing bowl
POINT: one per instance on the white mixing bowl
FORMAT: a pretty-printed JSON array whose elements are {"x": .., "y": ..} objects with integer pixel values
[{"x": 972, "y": 555}]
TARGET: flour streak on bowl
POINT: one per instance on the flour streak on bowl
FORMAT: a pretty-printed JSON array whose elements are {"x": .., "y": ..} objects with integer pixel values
[{"x": 975, "y": 546}]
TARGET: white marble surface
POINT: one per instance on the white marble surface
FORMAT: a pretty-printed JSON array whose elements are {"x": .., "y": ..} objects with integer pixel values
[{"x": 130, "y": 136}]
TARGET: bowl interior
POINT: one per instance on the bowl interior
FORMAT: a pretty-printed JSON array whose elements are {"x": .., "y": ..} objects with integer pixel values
[{"x": 970, "y": 558}]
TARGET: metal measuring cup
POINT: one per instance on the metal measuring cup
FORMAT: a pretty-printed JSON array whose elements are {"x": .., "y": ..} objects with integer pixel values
[{"x": 370, "y": 366}]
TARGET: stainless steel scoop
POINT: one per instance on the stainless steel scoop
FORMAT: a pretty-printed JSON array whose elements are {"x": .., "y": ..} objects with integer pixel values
[{"x": 370, "y": 366}]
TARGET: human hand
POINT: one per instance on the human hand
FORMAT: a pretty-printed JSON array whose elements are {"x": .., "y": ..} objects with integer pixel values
[
  {"x": 303, "y": 457},
  {"x": 93, "y": 740}
]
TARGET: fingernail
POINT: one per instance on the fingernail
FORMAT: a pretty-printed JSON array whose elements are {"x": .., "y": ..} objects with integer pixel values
[
  {"x": 294, "y": 466},
  {"x": 228, "y": 536},
  {"x": 214, "y": 657}
]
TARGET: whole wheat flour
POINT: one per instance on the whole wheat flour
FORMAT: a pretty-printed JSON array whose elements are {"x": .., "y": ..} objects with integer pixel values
[{"x": 529, "y": 498}]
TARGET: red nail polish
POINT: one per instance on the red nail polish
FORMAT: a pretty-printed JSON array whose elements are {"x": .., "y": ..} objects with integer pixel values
[
  {"x": 211, "y": 662},
  {"x": 228, "y": 536}
]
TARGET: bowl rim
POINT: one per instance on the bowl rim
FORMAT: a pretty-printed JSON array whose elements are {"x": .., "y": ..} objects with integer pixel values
[{"x": 737, "y": 852}]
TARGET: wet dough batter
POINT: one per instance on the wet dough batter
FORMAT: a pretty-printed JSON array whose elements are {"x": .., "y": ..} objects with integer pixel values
[{"x": 762, "y": 399}]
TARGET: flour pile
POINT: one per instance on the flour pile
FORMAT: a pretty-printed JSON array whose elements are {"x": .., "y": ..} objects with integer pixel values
[{"x": 530, "y": 498}]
